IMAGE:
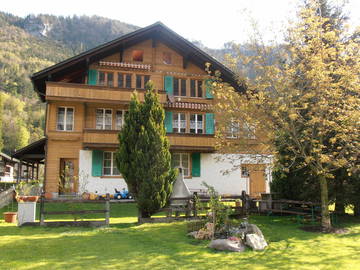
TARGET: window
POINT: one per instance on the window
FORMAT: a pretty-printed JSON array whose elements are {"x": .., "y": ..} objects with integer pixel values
[
  {"x": 196, "y": 88},
  {"x": 179, "y": 122},
  {"x": 120, "y": 119},
  {"x": 110, "y": 79},
  {"x": 106, "y": 78},
  {"x": 128, "y": 80},
  {"x": 137, "y": 55},
  {"x": 103, "y": 119},
  {"x": 196, "y": 123},
  {"x": 65, "y": 119},
  {"x": 179, "y": 87},
  {"x": 244, "y": 172},
  {"x": 167, "y": 58},
  {"x": 233, "y": 129},
  {"x": 109, "y": 166},
  {"x": 249, "y": 131},
  {"x": 101, "y": 78},
  {"x": 121, "y": 80},
  {"x": 141, "y": 81},
  {"x": 181, "y": 160}
]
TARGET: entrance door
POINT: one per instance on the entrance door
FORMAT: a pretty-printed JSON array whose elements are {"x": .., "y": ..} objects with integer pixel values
[
  {"x": 67, "y": 183},
  {"x": 257, "y": 183}
]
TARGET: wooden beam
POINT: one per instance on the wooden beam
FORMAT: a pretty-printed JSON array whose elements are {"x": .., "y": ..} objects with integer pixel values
[
  {"x": 185, "y": 61},
  {"x": 121, "y": 54},
  {"x": 154, "y": 42}
]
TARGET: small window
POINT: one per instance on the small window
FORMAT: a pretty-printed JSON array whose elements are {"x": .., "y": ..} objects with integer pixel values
[
  {"x": 245, "y": 172},
  {"x": 233, "y": 129},
  {"x": 138, "y": 55},
  {"x": 249, "y": 131},
  {"x": 179, "y": 122},
  {"x": 181, "y": 160},
  {"x": 167, "y": 58},
  {"x": 138, "y": 82},
  {"x": 120, "y": 80},
  {"x": 101, "y": 78},
  {"x": 146, "y": 79},
  {"x": 110, "y": 79},
  {"x": 65, "y": 119},
  {"x": 104, "y": 119},
  {"x": 109, "y": 165},
  {"x": 179, "y": 87},
  {"x": 196, "y": 88},
  {"x": 128, "y": 80},
  {"x": 196, "y": 123}
]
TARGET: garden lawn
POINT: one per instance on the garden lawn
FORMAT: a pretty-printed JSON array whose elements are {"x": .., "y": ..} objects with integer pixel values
[{"x": 126, "y": 245}]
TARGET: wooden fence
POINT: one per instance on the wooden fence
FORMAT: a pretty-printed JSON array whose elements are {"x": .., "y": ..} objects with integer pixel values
[
  {"x": 44, "y": 212},
  {"x": 6, "y": 197}
]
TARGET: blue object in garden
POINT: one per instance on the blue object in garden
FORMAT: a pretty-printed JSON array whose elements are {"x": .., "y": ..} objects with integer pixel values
[{"x": 123, "y": 194}]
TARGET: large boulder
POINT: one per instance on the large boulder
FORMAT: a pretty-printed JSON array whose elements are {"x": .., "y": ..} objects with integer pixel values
[
  {"x": 226, "y": 244},
  {"x": 255, "y": 241}
]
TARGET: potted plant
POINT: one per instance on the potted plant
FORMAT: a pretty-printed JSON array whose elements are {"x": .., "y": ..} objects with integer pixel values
[
  {"x": 28, "y": 191},
  {"x": 10, "y": 216}
]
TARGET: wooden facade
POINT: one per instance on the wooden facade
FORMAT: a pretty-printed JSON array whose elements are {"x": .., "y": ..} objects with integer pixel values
[{"x": 100, "y": 83}]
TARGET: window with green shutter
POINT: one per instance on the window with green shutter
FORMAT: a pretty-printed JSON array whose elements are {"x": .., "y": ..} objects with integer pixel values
[
  {"x": 208, "y": 88},
  {"x": 97, "y": 162},
  {"x": 168, "y": 85},
  {"x": 210, "y": 125},
  {"x": 168, "y": 121},
  {"x": 92, "y": 77},
  {"x": 196, "y": 164}
]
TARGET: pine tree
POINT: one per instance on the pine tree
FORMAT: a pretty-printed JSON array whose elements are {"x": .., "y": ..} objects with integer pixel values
[{"x": 143, "y": 157}]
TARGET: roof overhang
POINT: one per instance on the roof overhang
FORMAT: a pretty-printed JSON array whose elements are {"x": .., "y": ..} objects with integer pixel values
[{"x": 32, "y": 153}]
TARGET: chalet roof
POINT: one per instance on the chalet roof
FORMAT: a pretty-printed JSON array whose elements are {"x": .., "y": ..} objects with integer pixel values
[
  {"x": 156, "y": 31},
  {"x": 34, "y": 152}
]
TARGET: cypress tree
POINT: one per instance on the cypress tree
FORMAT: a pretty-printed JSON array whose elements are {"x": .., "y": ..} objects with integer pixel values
[{"x": 143, "y": 157}]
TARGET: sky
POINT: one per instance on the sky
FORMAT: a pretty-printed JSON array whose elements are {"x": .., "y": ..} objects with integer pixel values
[{"x": 213, "y": 22}]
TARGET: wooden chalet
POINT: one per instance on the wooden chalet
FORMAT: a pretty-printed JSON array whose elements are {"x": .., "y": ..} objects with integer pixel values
[{"x": 88, "y": 95}]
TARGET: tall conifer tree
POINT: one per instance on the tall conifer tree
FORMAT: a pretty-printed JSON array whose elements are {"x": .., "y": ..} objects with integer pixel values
[{"x": 143, "y": 157}]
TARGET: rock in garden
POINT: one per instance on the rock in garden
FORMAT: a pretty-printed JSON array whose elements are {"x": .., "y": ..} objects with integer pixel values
[
  {"x": 205, "y": 233},
  {"x": 192, "y": 234},
  {"x": 226, "y": 244},
  {"x": 253, "y": 229},
  {"x": 256, "y": 242}
]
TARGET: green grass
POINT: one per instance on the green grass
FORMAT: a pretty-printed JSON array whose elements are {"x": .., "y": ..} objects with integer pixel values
[{"x": 126, "y": 245}]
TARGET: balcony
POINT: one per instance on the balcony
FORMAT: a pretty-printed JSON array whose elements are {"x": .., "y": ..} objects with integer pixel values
[
  {"x": 95, "y": 138},
  {"x": 93, "y": 93}
]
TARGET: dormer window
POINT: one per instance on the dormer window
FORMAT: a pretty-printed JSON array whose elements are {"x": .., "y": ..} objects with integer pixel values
[{"x": 138, "y": 55}]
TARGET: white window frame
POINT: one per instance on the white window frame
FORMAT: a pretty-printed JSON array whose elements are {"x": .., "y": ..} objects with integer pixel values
[
  {"x": 178, "y": 128},
  {"x": 103, "y": 118},
  {"x": 65, "y": 118},
  {"x": 122, "y": 118},
  {"x": 112, "y": 166},
  {"x": 196, "y": 123},
  {"x": 249, "y": 131},
  {"x": 181, "y": 163}
]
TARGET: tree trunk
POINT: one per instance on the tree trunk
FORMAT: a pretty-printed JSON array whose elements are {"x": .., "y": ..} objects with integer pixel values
[
  {"x": 325, "y": 215},
  {"x": 340, "y": 198}
]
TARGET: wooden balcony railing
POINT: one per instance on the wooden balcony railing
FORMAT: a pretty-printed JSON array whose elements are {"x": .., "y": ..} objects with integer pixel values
[
  {"x": 93, "y": 93},
  {"x": 188, "y": 142}
]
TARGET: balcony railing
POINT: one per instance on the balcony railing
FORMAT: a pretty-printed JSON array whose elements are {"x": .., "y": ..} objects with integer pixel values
[
  {"x": 191, "y": 142},
  {"x": 84, "y": 92}
]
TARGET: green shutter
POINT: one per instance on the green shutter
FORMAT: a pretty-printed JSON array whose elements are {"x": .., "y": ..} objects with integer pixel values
[
  {"x": 92, "y": 77},
  {"x": 168, "y": 121},
  {"x": 169, "y": 85},
  {"x": 196, "y": 168},
  {"x": 97, "y": 162},
  {"x": 208, "y": 88},
  {"x": 210, "y": 123}
]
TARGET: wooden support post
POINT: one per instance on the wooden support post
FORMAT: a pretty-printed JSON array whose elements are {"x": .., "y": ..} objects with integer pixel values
[
  {"x": 107, "y": 208},
  {"x": 37, "y": 170},
  {"x": 18, "y": 172},
  {"x": 195, "y": 204},
  {"x": 42, "y": 209}
]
